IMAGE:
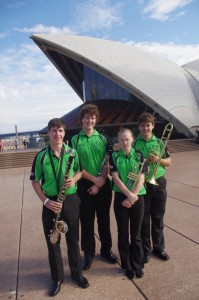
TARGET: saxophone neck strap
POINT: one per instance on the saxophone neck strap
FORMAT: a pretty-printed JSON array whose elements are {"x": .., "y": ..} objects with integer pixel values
[{"x": 57, "y": 176}]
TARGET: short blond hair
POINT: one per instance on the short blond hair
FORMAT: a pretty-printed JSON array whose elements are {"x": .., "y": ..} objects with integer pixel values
[{"x": 122, "y": 130}]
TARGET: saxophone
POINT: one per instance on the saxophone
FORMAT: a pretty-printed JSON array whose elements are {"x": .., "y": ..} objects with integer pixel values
[{"x": 59, "y": 225}]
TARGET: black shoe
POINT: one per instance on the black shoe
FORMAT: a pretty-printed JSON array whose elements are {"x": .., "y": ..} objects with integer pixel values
[
  {"x": 56, "y": 286},
  {"x": 146, "y": 258},
  {"x": 130, "y": 274},
  {"x": 109, "y": 257},
  {"x": 139, "y": 273},
  {"x": 87, "y": 262},
  {"x": 161, "y": 255},
  {"x": 82, "y": 282}
]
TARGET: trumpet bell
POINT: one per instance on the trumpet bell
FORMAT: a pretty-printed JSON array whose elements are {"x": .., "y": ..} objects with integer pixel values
[
  {"x": 152, "y": 181},
  {"x": 61, "y": 226}
]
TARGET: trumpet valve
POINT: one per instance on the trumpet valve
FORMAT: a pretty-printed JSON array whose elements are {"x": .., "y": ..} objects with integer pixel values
[{"x": 132, "y": 176}]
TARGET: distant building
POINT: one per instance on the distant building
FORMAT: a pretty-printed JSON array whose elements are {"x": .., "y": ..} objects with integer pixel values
[{"x": 125, "y": 81}]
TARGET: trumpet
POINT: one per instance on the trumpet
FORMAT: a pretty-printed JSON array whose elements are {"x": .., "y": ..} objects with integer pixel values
[
  {"x": 134, "y": 176},
  {"x": 163, "y": 141}
]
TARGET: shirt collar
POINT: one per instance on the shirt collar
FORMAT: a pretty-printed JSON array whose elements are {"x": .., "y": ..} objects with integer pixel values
[
  {"x": 95, "y": 132},
  {"x": 153, "y": 138},
  {"x": 122, "y": 153}
]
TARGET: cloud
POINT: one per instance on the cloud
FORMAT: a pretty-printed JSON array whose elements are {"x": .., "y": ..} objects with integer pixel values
[
  {"x": 97, "y": 14},
  {"x": 162, "y": 10},
  {"x": 32, "y": 91},
  {"x": 3, "y": 35},
  {"x": 15, "y": 4},
  {"x": 178, "y": 53},
  {"x": 40, "y": 28}
]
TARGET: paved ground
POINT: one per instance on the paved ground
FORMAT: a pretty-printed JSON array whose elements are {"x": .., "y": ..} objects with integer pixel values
[{"x": 24, "y": 272}]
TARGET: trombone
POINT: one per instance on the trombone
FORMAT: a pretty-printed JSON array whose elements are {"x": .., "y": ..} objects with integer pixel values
[{"x": 163, "y": 141}]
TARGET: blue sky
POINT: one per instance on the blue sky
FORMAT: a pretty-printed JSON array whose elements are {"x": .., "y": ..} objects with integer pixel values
[{"x": 32, "y": 91}]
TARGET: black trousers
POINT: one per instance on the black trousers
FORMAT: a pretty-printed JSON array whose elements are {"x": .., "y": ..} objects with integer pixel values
[
  {"x": 129, "y": 246},
  {"x": 153, "y": 222},
  {"x": 98, "y": 205},
  {"x": 70, "y": 215}
]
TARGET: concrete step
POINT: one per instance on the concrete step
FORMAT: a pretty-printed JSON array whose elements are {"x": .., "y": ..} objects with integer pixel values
[
  {"x": 17, "y": 159},
  {"x": 183, "y": 145},
  {"x": 24, "y": 158},
  {"x": 177, "y": 145}
]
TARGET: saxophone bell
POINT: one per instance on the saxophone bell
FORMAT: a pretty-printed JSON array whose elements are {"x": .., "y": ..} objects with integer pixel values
[{"x": 61, "y": 226}]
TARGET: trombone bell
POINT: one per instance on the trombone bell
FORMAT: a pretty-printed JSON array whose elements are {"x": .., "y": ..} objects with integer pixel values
[{"x": 152, "y": 181}]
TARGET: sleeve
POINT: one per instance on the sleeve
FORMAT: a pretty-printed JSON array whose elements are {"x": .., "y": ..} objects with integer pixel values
[
  {"x": 36, "y": 170},
  {"x": 77, "y": 166},
  {"x": 113, "y": 167},
  {"x": 166, "y": 153}
]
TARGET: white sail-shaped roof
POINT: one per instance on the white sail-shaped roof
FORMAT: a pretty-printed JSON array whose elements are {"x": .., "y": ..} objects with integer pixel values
[{"x": 159, "y": 83}]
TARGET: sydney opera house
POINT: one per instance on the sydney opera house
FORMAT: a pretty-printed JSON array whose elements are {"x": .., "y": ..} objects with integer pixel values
[{"x": 125, "y": 81}]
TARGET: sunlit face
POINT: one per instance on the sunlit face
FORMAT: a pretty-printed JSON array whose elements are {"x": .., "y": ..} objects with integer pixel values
[
  {"x": 146, "y": 130},
  {"x": 56, "y": 135},
  {"x": 88, "y": 121},
  {"x": 125, "y": 140}
]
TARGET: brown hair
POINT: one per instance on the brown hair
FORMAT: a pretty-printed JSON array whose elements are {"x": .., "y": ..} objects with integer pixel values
[
  {"x": 56, "y": 122},
  {"x": 88, "y": 109},
  {"x": 146, "y": 118}
]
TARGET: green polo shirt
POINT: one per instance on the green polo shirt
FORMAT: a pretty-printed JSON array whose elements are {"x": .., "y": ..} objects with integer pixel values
[
  {"x": 42, "y": 170},
  {"x": 151, "y": 145},
  {"x": 123, "y": 164},
  {"x": 91, "y": 150}
]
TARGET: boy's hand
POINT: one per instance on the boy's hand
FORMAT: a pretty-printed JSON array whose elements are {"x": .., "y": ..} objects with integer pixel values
[
  {"x": 54, "y": 206},
  {"x": 99, "y": 181},
  {"x": 93, "y": 190},
  {"x": 69, "y": 182},
  {"x": 126, "y": 203},
  {"x": 153, "y": 158}
]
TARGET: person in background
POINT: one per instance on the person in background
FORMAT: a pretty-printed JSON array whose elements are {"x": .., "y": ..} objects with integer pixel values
[
  {"x": 155, "y": 199},
  {"x": 25, "y": 144},
  {"x": 48, "y": 176},
  {"x": 16, "y": 144},
  {"x": 197, "y": 135},
  {"x": 129, "y": 202},
  {"x": 94, "y": 189},
  {"x": 1, "y": 145}
]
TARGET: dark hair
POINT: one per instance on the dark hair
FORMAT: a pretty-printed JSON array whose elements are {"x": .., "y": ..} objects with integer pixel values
[
  {"x": 89, "y": 109},
  {"x": 146, "y": 118},
  {"x": 57, "y": 123}
]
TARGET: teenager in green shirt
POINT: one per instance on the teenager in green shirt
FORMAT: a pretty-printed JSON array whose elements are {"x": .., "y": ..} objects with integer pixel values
[
  {"x": 129, "y": 202},
  {"x": 155, "y": 199},
  {"x": 47, "y": 176},
  {"x": 94, "y": 189}
]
